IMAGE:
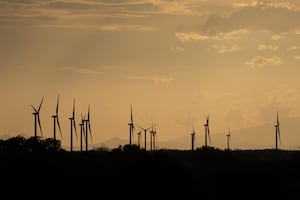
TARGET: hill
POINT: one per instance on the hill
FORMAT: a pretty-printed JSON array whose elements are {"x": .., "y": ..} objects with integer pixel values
[{"x": 164, "y": 174}]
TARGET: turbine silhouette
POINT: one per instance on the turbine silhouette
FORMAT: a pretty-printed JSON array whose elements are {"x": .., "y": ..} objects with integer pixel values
[
  {"x": 37, "y": 120},
  {"x": 88, "y": 129},
  {"x": 277, "y": 133},
  {"x": 82, "y": 131},
  {"x": 139, "y": 138},
  {"x": 154, "y": 133},
  {"x": 193, "y": 139},
  {"x": 228, "y": 140},
  {"x": 207, "y": 133},
  {"x": 131, "y": 126},
  {"x": 145, "y": 135},
  {"x": 73, "y": 125},
  {"x": 56, "y": 121}
]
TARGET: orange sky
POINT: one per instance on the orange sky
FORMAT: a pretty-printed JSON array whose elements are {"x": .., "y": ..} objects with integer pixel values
[{"x": 174, "y": 61}]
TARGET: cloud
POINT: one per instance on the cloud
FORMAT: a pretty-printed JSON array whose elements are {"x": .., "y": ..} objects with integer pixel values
[
  {"x": 276, "y": 37},
  {"x": 297, "y": 57},
  {"x": 177, "y": 49},
  {"x": 232, "y": 35},
  {"x": 292, "y": 48},
  {"x": 258, "y": 17},
  {"x": 267, "y": 47},
  {"x": 120, "y": 27},
  {"x": 260, "y": 61},
  {"x": 82, "y": 70},
  {"x": 190, "y": 36},
  {"x": 104, "y": 27},
  {"x": 157, "y": 80},
  {"x": 225, "y": 49}
]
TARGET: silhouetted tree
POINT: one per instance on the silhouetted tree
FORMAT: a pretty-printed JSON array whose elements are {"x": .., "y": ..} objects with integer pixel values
[{"x": 131, "y": 148}]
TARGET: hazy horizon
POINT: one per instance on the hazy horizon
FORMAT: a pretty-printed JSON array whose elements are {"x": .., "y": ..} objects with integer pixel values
[{"x": 175, "y": 61}]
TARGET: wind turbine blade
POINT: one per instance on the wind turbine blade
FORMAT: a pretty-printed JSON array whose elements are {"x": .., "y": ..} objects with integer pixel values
[
  {"x": 139, "y": 126},
  {"x": 208, "y": 134},
  {"x": 279, "y": 134},
  {"x": 41, "y": 104},
  {"x": 90, "y": 133},
  {"x": 74, "y": 124},
  {"x": 58, "y": 126},
  {"x": 83, "y": 129},
  {"x": 131, "y": 117},
  {"x": 88, "y": 116},
  {"x": 57, "y": 105},
  {"x": 34, "y": 109},
  {"x": 39, "y": 121},
  {"x": 73, "y": 115}
]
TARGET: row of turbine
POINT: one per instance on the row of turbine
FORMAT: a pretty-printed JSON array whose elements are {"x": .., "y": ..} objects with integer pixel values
[
  {"x": 207, "y": 135},
  {"x": 153, "y": 136},
  {"x": 85, "y": 126}
]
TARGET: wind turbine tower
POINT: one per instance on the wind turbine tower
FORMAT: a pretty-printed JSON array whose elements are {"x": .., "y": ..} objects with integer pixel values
[
  {"x": 193, "y": 139},
  {"x": 207, "y": 134},
  {"x": 154, "y": 137},
  {"x": 37, "y": 120},
  {"x": 139, "y": 138},
  {"x": 228, "y": 140},
  {"x": 145, "y": 135},
  {"x": 277, "y": 132},
  {"x": 73, "y": 125},
  {"x": 82, "y": 132},
  {"x": 56, "y": 121},
  {"x": 87, "y": 129},
  {"x": 131, "y": 126}
]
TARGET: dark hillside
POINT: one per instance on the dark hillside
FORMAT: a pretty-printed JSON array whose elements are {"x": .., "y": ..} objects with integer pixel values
[{"x": 147, "y": 175}]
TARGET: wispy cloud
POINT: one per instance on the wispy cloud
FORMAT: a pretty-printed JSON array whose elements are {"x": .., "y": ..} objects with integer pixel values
[
  {"x": 267, "y": 47},
  {"x": 292, "y": 48},
  {"x": 177, "y": 49},
  {"x": 260, "y": 61},
  {"x": 276, "y": 37},
  {"x": 232, "y": 35},
  {"x": 157, "y": 80},
  {"x": 82, "y": 70},
  {"x": 225, "y": 49},
  {"x": 297, "y": 57},
  {"x": 104, "y": 27}
]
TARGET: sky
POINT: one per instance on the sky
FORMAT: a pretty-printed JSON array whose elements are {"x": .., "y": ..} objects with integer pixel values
[{"x": 175, "y": 61}]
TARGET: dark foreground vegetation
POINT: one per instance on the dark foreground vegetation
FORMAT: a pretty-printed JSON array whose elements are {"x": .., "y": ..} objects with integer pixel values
[{"x": 35, "y": 169}]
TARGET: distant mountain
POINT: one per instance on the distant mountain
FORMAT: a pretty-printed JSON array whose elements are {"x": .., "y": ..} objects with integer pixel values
[
  {"x": 112, "y": 143},
  {"x": 258, "y": 137}
]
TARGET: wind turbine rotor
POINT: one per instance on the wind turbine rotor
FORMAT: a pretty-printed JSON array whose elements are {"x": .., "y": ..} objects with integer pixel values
[{"x": 34, "y": 109}]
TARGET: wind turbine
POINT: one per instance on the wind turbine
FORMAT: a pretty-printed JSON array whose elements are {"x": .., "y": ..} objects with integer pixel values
[
  {"x": 277, "y": 132},
  {"x": 55, "y": 120},
  {"x": 139, "y": 138},
  {"x": 82, "y": 132},
  {"x": 207, "y": 134},
  {"x": 145, "y": 135},
  {"x": 73, "y": 125},
  {"x": 88, "y": 129},
  {"x": 131, "y": 126},
  {"x": 193, "y": 139},
  {"x": 154, "y": 137},
  {"x": 228, "y": 140},
  {"x": 37, "y": 120},
  {"x": 151, "y": 136}
]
